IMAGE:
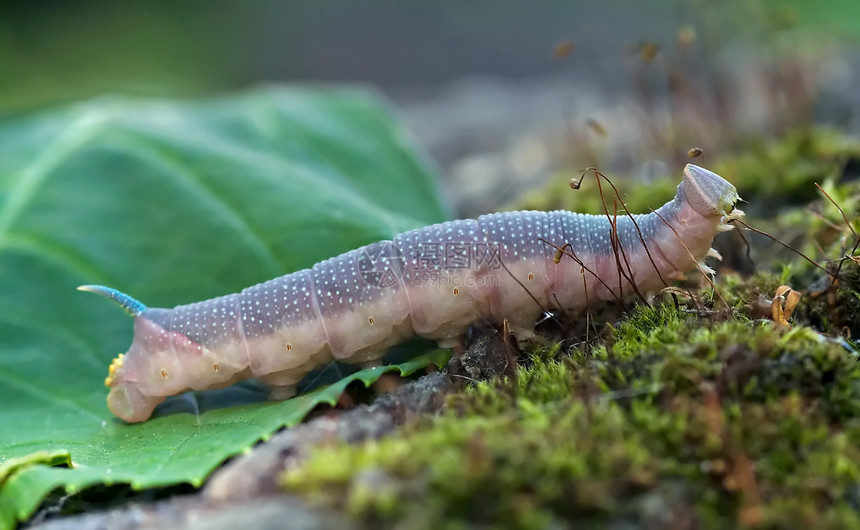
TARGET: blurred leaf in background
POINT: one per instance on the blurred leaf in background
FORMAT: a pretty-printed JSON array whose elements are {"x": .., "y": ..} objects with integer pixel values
[{"x": 59, "y": 51}]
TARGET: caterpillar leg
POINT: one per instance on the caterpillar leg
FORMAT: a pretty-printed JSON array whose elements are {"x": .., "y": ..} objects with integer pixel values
[
  {"x": 453, "y": 343},
  {"x": 283, "y": 385},
  {"x": 372, "y": 363},
  {"x": 520, "y": 332},
  {"x": 130, "y": 404},
  {"x": 282, "y": 392}
]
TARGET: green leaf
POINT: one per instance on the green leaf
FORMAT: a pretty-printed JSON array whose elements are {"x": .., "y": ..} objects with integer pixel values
[{"x": 172, "y": 202}]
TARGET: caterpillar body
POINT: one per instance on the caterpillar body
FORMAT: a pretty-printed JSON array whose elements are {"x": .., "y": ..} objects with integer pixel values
[{"x": 434, "y": 281}]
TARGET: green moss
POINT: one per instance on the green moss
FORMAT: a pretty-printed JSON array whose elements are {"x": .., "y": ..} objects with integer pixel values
[
  {"x": 785, "y": 171},
  {"x": 721, "y": 422},
  {"x": 834, "y": 306},
  {"x": 819, "y": 230}
]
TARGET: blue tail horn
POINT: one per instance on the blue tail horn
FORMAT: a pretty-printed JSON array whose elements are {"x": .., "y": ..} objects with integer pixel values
[{"x": 129, "y": 304}]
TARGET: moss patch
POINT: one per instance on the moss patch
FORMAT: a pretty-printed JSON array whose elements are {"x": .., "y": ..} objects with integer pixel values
[
  {"x": 834, "y": 306},
  {"x": 675, "y": 418}
]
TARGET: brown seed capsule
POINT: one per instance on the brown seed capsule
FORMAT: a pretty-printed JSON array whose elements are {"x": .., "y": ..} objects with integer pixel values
[
  {"x": 595, "y": 126},
  {"x": 686, "y": 36},
  {"x": 648, "y": 51},
  {"x": 563, "y": 49}
]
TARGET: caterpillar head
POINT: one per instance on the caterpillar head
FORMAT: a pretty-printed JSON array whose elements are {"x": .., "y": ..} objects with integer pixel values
[
  {"x": 709, "y": 194},
  {"x": 126, "y": 400},
  {"x": 132, "y": 396},
  {"x": 161, "y": 361}
]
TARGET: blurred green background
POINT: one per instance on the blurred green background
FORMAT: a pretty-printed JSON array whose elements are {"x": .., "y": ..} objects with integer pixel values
[
  {"x": 54, "y": 51},
  {"x": 503, "y": 95}
]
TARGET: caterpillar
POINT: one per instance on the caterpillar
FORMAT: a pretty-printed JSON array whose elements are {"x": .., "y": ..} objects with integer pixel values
[{"x": 434, "y": 282}]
